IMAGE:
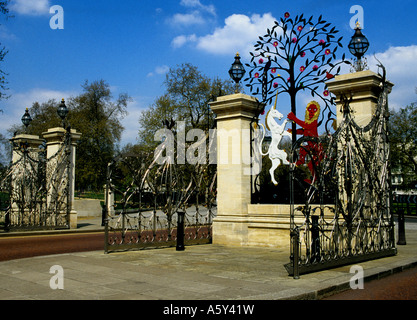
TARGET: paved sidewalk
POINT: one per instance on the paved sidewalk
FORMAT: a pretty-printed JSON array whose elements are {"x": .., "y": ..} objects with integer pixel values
[{"x": 206, "y": 272}]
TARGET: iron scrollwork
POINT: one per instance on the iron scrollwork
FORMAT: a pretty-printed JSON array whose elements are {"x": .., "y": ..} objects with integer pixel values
[
  {"x": 145, "y": 195},
  {"x": 345, "y": 216}
]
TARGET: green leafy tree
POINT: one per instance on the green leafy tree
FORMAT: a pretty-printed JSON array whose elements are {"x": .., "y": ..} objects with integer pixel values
[
  {"x": 191, "y": 92},
  {"x": 403, "y": 138},
  {"x": 188, "y": 93},
  {"x": 153, "y": 117},
  {"x": 44, "y": 116},
  {"x": 96, "y": 115}
]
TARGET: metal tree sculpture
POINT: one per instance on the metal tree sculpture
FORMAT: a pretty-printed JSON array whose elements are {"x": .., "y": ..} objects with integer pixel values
[{"x": 295, "y": 55}]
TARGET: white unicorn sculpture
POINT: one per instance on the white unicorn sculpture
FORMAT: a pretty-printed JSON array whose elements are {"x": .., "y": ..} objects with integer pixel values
[{"x": 276, "y": 155}]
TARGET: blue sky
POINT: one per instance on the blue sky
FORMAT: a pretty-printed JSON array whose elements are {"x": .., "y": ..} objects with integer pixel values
[{"x": 132, "y": 43}]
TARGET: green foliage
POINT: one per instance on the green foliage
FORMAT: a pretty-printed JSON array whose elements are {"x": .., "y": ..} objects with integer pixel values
[
  {"x": 403, "y": 139},
  {"x": 96, "y": 115},
  {"x": 90, "y": 195},
  {"x": 191, "y": 91},
  {"x": 152, "y": 118},
  {"x": 188, "y": 93}
]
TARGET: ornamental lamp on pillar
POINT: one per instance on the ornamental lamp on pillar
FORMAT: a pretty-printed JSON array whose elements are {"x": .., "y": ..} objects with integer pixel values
[
  {"x": 237, "y": 71},
  {"x": 26, "y": 119},
  {"x": 62, "y": 112},
  {"x": 358, "y": 46}
]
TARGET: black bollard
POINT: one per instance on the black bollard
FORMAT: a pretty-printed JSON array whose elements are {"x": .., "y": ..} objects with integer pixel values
[
  {"x": 401, "y": 228},
  {"x": 7, "y": 222},
  {"x": 180, "y": 231},
  {"x": 295, "y": 235},
  {"x": 315, "y": 239},
  {"x": 103, "y": 215}
]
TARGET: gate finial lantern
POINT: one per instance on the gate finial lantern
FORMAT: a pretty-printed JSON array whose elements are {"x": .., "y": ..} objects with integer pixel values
[
  {"x": 26, "y": 119},
  {"x": 62, "y": 111},
  {"x": 358, "y": 46},
  {"x": 237, "y": 71}
]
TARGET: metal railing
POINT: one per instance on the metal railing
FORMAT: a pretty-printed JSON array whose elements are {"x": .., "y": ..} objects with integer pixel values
[
  {"x": 144, "y": 201},
  {"x": 345, "y": 215}
]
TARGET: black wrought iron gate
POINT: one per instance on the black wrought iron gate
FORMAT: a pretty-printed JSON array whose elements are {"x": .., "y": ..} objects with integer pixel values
[
  {"x": 145, "y": 196},
  {"x": 345, "y": 215},
  {"x": 35, "y": 188}
]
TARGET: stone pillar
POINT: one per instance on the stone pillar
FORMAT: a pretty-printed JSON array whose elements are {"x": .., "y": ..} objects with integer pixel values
[
  {"x": 31, "y": 142},
  {"x": 364, "y": 87},
  {"x": 234, "y": 116},
  {"x": 24, "y": 144},
  {"x": 55, "y": 139}
]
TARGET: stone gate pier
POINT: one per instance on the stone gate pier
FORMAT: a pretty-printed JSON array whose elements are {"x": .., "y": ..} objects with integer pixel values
[
  {"x": 234, "y": 117},
  {"x": 57, "y": 167}
]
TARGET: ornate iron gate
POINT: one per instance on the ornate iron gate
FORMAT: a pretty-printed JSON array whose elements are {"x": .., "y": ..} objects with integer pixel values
[
  {"x": 345, "y": 216},
  {"x": 145, "y": 196},
  {"x": 35, "y": 189}
]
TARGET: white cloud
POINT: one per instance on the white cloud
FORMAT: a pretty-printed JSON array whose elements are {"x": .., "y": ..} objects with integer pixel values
[
  {"x": 187, "y": 19},
  {"x": 159, "y": 70},
  {"x": 162, "y": 69},
  {"x": 30, "y": 7},
  {"x": 401, "y": 70},
  {"x": 14, "y": 107},
  {"x": 197, "y": 14},
  {"x": 181, "y": 40},
  {"x": 197, "y": 4},
  {"x": 6, "y": 34},
  {"x": 131, "y": 122},
  {"x": 239, "y": 33},
  {"x": 26, "y": 99}
]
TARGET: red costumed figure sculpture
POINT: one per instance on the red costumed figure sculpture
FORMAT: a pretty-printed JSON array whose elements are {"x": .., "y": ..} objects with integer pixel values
[{"x": 309, "y": 129}]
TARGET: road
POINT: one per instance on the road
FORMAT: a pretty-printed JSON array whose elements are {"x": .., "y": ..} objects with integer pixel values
[
  {"x": 31, "y": 246},
  {"x": 400, "y": 286}
]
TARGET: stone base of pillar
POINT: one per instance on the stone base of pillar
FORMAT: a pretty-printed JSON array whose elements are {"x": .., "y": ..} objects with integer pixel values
[
  {"x": 73, "y": 219},
  {"x": 230, "y": 231},
  {"x": 266, "y": 225},
  {"x": 269, "y": 226}
]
